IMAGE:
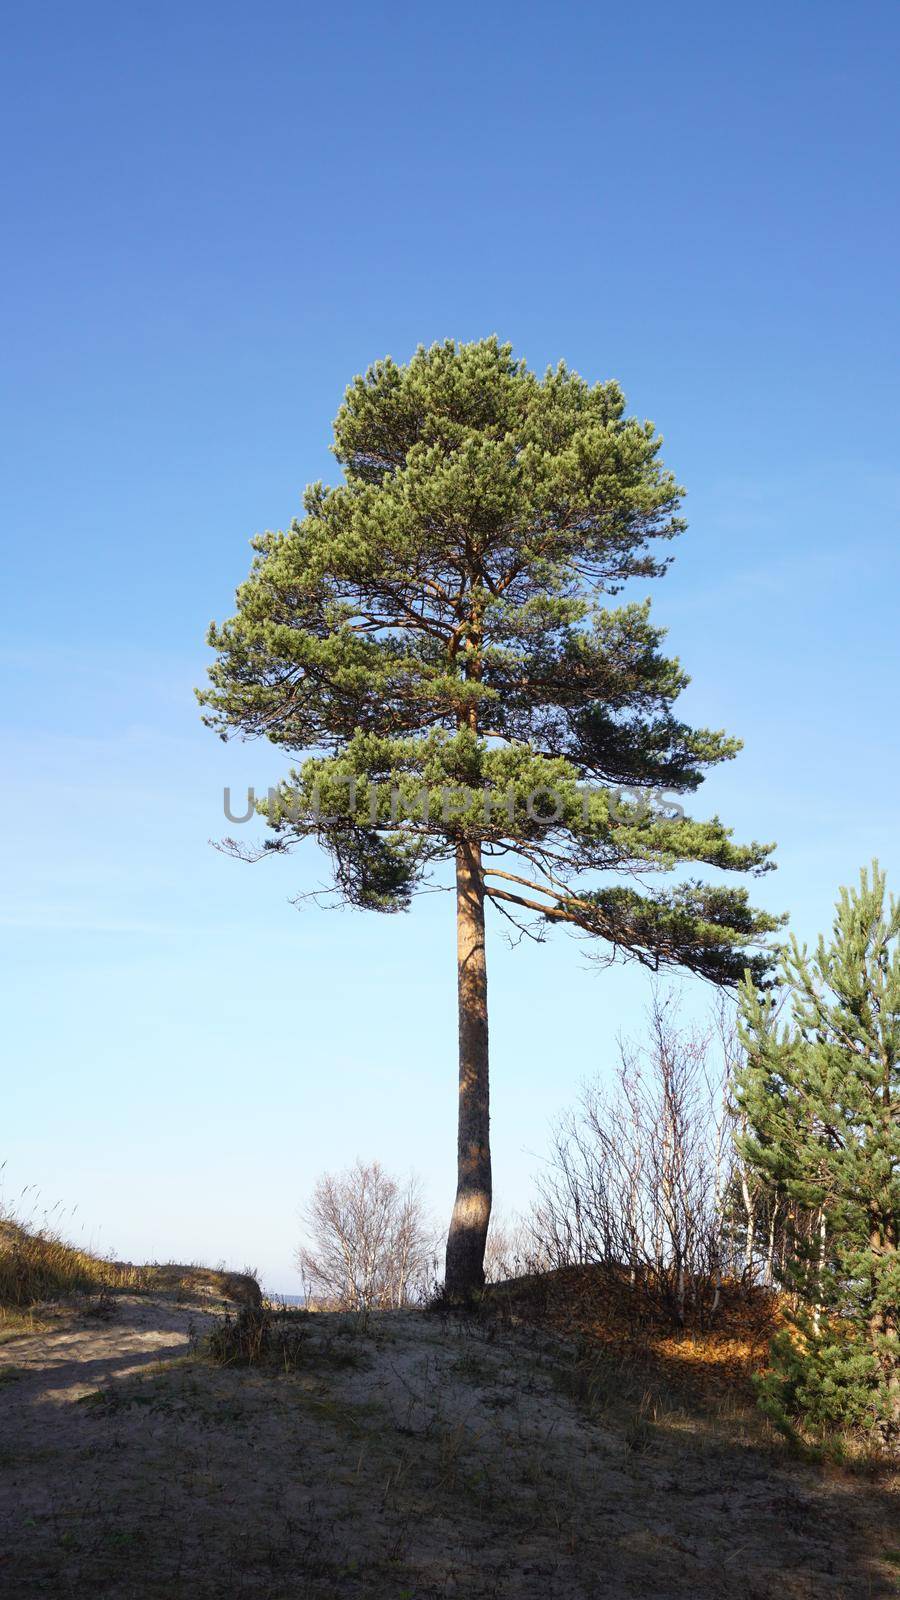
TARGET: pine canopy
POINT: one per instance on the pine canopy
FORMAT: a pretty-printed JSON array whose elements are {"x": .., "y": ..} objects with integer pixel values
[{"x": 434, "y": 638}]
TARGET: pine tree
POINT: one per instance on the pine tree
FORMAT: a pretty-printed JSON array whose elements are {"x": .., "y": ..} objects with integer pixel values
[
  {"x": 430, "y": 635},
  {"x": 821, "y": 1094}
]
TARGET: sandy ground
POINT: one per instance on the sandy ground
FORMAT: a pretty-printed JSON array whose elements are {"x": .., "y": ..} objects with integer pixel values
[{"x": 408, "y": 1459}]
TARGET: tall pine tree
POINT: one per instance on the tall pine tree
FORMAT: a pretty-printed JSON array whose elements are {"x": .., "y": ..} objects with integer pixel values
[
  {"x": 431, "y": 635},
  {"x": 821, "y": 1094}
]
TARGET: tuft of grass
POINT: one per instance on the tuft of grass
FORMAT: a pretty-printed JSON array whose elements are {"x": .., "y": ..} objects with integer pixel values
[
  {"x": 14, "y": 1322},
  {"x": 257, "y": 1336},
  {"x": 282, "y": 1339}
]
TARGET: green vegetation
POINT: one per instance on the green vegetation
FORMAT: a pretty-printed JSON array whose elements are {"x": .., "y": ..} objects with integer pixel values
[{"x": 821, "y": 1094}]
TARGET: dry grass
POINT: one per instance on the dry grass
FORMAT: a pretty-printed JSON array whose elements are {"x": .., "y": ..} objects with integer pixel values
[
  {"x": 598, "y": 1307},
  {"x": 257, "y": 1336},
  {"x": 38, "y": 1266}
]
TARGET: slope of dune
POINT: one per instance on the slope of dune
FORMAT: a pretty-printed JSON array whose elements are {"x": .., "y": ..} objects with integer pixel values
[{"x": 407, "y": 1455}]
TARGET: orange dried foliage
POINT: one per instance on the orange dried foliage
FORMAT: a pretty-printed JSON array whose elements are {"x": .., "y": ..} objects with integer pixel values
[{"x": 600, "y": 1304}]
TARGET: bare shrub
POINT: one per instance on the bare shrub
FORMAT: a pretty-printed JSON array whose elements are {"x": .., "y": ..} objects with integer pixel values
[
  {"x": 510, "y": 1251},
  {"x": 642, "y": 1176},
  {"x": 371, "y": 1244}
]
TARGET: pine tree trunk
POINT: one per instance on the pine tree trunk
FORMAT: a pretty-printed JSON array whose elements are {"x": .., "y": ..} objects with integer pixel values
[
  {"x": 471, "y": 1213},
  {"x": 750, "y": 1215},
  {"x": 770, "y": 1253},
  {"x": 883, "y": 1333},
  {"x": 820, "y": 1268}
]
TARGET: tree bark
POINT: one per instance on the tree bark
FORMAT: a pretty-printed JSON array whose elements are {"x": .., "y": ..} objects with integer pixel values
[
  {"x": 471, "y": 1212},
  {"x": 770, "y": 1253},
  {"x": 820, "y": 1269}
]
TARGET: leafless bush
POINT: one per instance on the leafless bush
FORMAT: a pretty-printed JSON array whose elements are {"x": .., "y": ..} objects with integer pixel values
[
  {"x": 511, "y": 1250},
  {"x": 642, "y": 1177},
  {"x": 371, "y": 1246}
]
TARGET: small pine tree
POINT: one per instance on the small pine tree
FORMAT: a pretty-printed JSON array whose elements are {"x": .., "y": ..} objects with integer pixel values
[{"x": 821, "y": 1096}]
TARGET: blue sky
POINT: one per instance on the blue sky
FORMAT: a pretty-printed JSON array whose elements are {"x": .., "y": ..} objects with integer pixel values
[{"x": 216, "y": 216}]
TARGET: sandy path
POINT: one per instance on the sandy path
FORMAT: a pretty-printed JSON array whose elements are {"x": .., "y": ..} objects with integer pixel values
[{"x": 81, "y": 1353}]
